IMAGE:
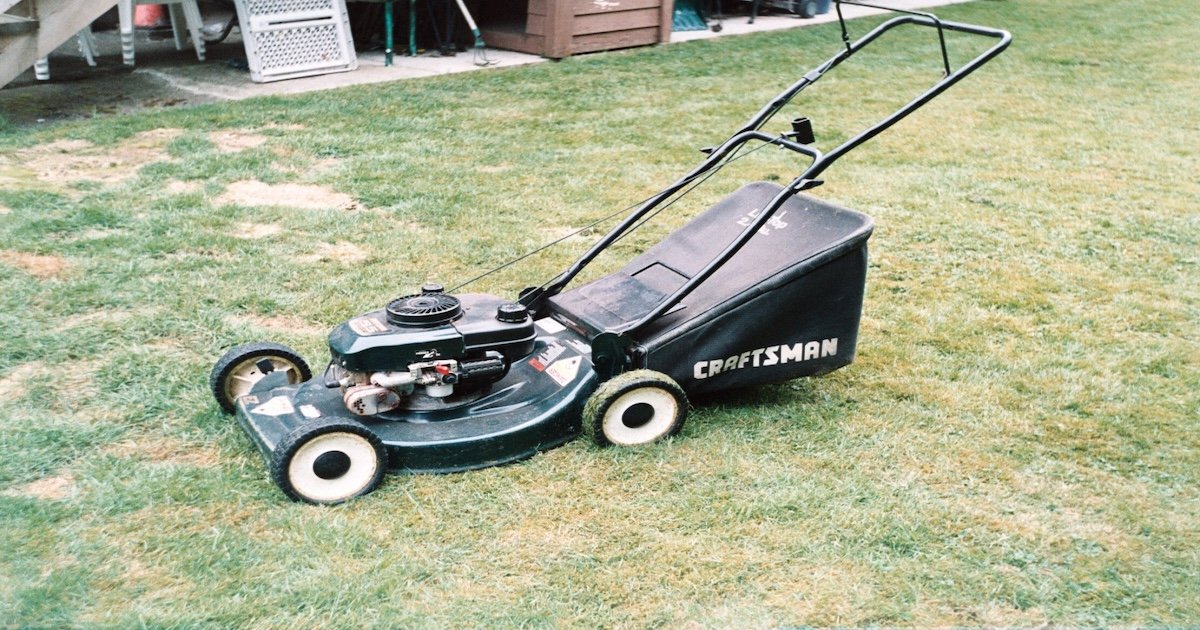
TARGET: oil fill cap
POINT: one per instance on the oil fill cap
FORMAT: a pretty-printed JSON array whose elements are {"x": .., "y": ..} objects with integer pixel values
[{"x": 512, "y": 313}]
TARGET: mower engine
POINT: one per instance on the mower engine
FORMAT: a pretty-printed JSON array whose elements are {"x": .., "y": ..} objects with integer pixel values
[{"x": 426, "y": 344}]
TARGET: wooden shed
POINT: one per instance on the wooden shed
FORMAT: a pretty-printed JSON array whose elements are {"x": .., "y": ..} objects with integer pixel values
[{"x": 561, "y": 28}]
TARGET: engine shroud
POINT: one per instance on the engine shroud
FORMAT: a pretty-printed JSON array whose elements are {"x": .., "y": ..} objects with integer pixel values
[{"x": 381, "y": 341}]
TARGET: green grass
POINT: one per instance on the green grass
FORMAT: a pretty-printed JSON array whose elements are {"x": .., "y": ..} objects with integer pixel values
[{"x": 1017, "y": 443}]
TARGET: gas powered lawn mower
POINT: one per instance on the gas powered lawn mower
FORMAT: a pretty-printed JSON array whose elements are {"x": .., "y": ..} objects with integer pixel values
[{"x": 442, "y": 382}]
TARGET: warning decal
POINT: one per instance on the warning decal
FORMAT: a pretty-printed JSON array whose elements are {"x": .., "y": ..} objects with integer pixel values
[
  {"x": 367, "y": 325},
  {"x": 277, "y": 406},
  {"x": 550, "y": 326},
  {"x": 564, "y": 371},
  {"x": 547, "y": 356}
]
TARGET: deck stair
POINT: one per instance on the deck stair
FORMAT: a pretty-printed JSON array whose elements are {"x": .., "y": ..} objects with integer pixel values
[{"x": 32, "y": 29}]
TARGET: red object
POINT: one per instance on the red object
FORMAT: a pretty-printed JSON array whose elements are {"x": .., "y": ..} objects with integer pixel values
[{"x": 149, "y": 15}]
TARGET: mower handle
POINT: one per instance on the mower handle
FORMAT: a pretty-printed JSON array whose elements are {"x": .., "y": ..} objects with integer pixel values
[{"x": 807, "y": 179}]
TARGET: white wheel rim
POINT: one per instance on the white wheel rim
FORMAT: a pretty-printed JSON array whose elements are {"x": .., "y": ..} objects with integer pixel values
[
  {"x": 309, "y": 484},
  {"x": 620, "y": 431},
  {"x": 246, "y": 374}
]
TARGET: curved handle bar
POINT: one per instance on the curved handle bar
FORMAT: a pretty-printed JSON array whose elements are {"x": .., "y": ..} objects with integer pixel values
[{"x": 807, "y": 179}]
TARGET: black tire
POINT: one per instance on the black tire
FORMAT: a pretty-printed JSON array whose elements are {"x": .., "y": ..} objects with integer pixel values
[
  {"x": 805, "y": 8},
  {"x": 237, "y": 370},
  {"x": 329, "y": 461},
  {"x": 635, "y": 408}
]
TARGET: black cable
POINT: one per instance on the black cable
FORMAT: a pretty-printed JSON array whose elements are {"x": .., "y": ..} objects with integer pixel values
[{"x": 737, "y": 155}]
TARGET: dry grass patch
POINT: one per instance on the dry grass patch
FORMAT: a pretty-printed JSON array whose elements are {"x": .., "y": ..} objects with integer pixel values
[
  {"x": 309, "y": 169},
  {"x": 254, "y": 231},
  {"x": 176, "y": 187},
  {"x": 231, "y": 141},
  {"x": 41, "y": 266},
  {"x": 77, "y": 377},
  {"x": 93, "y": 234},
  {"x": 92, "y": 319},
  {"x": 567, "y": 234},
  {"x": 13, "y": 175},
  {"x": 255, "y": 193},
  {"x": 65, "y": 161},
  {"x": 164, "y": 450},
  {"x": 136, "y": 562},
  {"x": 994, "y": 614},
  {"x": 53, "y": 488},
  {"x": 279, "y": 323},
  {"x": 340, "y": 252},
  {"x": 12, "y": 386}
]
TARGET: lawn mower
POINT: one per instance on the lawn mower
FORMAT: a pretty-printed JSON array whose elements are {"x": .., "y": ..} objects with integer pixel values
[{"x": 763, "y": 287}]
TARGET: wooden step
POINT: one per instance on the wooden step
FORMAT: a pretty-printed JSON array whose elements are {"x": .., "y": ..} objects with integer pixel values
[
  {"x": 16, "y": 24},
  {"x": 24, "y": 38}
]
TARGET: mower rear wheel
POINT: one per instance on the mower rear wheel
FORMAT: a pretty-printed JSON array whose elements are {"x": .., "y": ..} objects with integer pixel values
[
  {"x": 635, "y": 408},
  {"x": 242, "y": 366},
  {"x": 329, "y": 461}
]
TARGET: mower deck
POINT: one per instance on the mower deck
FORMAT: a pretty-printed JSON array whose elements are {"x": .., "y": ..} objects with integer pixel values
[{"x": 535, "y": 407}]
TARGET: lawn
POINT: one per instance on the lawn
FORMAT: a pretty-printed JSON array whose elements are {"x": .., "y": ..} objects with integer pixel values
[{"x": 1017, "y": 443}]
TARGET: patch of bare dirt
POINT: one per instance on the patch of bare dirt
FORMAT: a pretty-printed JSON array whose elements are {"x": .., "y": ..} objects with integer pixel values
[
  {"x": 164, "y": 450},
  {"x": 176, "y": 187},
  {"x": 62, "y": 146},
  {"x": 136, "y": 571},
  {"x": 566, "y": 233},
  {"x": 163, "y": 344},
  {"x": 14, "y": 175},
  {"x": 231, "y": 141},
  {"x": 316, "y": 167},
  {"x": 65, "y": 161},
  {"x": 341, "y": 252},
  {"x": 152, "y": 139},
  {"x": 92, "y": 319},
  {"x": 5, "y": 209},
  {"x": 253, "y": 231},
  {"x": 495, "y": 168},
  {"x": 282, "y": 323},
  {"x": 93, "y": 234},
  {"x": 48, "y": 489},
  {"x": 12, "y": 386},
  {"x": 78, "y": 377},
  {"x": 256, "y": 193},
  {"x": 36, "y": 265}
]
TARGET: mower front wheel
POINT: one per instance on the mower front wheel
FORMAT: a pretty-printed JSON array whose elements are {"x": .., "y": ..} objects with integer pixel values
[
  {"x": 242, "y": 366},
  {"x": 329, "y": 461},
  {"x": 635, "y": 408}
]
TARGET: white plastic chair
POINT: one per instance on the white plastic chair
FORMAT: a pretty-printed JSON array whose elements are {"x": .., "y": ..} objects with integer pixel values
[{"x": 183, "y": 13}]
